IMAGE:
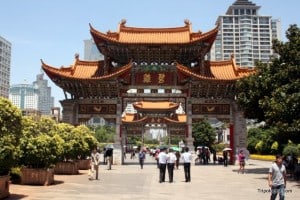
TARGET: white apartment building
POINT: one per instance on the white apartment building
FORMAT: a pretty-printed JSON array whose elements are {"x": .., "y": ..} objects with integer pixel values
[
  {"x": 5, "y": 58},
  {"x": 24, "y": 96},
  {"x": 245, "y": 34},
  {"x": 35, "y": 96}
]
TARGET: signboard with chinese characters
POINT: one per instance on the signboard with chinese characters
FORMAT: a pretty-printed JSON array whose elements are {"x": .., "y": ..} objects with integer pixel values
[
  {"x": 97, "y": 109},
  {"x": 152, "y": 78},
  {"x": 221, "y": 109}
]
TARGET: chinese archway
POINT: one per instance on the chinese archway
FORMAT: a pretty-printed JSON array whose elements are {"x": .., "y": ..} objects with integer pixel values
[{"x": 171, "y": 60}]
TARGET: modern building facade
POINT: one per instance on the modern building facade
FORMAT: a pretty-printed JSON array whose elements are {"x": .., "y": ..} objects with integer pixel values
[
  {"x": 35, "y": 96},
  {"x": 5, "y": 60},
  {"x": 245, "y": 34},
  {"x": 90, "y": 51},
  {"x": 46, "y": 101},
  {"x": 24, "y": 96}
]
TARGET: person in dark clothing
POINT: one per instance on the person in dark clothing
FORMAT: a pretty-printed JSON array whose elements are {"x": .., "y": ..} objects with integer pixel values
[
  {"x": 108, "y": 155},
  {"x": 225, "y": 158},
  {"x": 177, "y": 154},
  {"x": 141, "y": 158}
]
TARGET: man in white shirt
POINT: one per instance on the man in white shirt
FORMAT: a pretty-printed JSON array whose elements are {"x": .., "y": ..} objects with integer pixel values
[
  {"x": 187, "y": 159},
  {"x": 277, "y": 178},
  {"x": 95, "y": 161},
  {"x": 162, "y": 160},
  {"x": 171, "y": 163}
]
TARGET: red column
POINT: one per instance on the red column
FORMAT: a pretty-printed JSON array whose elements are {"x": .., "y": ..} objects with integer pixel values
[{"x": 231, "y": 143}]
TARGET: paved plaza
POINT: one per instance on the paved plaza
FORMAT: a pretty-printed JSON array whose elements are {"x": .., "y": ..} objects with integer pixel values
[{"x": 208, "y": 182}]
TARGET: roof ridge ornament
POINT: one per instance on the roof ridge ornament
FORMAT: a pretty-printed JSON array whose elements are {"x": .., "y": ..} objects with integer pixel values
[
  {"x": 188, "y": 23},
  {"x": 121, "y": 24},
  {"x": 76, "y": 56},
  {"x": 235, "y": 67}
]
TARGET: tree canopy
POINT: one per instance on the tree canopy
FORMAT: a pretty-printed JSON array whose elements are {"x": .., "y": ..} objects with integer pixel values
[
  {"x": 10, "y": 133},
  {"x": 204, "y": 134},
  {"x": 272, "y": 94}
]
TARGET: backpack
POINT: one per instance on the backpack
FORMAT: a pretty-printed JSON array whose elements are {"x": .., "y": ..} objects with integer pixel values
[{"x": 141, "y": 155}]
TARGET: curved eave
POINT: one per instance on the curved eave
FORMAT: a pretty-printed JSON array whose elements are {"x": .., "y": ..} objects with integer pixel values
[
  {"x": 159, "y": 106},
  {"x": 220, "y": 71},
  {"x": 190, "y": 38},
  {"x": 130, "y": 119},
  {"x": 68, "y": 73},
  {"x": 174, "y": 121}
]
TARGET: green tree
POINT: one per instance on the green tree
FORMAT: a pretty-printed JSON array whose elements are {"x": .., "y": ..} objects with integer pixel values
[
  {"x": 10, "y": 133},
  {"x": 40, "y": 147},
  {"x": 204, "y": 134},
  {"x": 272, "y": 94},
  {"x": 105, "y": 134}
]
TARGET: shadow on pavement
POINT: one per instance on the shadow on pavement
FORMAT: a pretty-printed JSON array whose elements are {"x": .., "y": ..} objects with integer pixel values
[
  {"x": 16, "y": 196},
  {"x": 254, "y": 171}
]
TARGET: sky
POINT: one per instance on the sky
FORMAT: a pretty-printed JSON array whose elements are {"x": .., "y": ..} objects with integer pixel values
[{"x": 54, "y": 30}]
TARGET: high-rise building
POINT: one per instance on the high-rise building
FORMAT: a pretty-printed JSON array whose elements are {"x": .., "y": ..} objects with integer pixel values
[
  {"x": 46, "y": 101},
  {"x": 35, "y": 96},
  {"x": 245, "y": 34},
  {"x": 5, "y": 57},
  {"x": 90, "y": 51},
  {"x": 24, "y": 96}
]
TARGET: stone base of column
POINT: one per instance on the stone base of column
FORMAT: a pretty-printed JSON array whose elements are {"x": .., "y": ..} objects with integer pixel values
[
  {"x": 117, "y": 157},
  {"x": 190, "y": 144}
]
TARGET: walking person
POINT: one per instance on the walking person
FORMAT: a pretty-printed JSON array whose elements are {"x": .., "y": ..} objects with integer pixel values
[
  {"x": 177, "y": 154},
  {"x": 225, "y": 158},
  {"x": 241, "y": 158},
  {"x": 142, "y": 157},
  {"x": 109, "y": 157},
  {"x": 277, "y": 178},
  {"x": 95, "y": 161},
  {"x": 187, "y": 158},
  {"x": 170, "y": 164},
  {"x": 162, "y": 160}
]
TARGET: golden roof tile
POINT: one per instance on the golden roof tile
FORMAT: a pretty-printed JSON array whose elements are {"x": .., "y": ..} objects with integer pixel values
[
  {"x": 83, "y": 70},
  {"x": 134, "y": 35},
  {"x": 218, "y": 70}
]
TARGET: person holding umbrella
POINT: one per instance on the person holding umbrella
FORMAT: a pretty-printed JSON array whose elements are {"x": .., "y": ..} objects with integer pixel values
[
  {"x": 109, "y": 155},
  {"x": 241, "y": 158},
  {"x": 225, "y": 156}
]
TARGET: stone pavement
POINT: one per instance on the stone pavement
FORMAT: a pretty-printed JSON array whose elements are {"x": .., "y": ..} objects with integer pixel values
[{"x": 210, "y": 182}]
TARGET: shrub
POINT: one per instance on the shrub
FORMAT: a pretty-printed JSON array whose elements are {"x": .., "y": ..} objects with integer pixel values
[
  {"x": 291, "y": 149},
  {"x": 10, "y": 133},
  {"x": 219, "y": 147},
  {"x": 40, "y": 151},
  {"x": 40, "y": 147},
  {"x": 274, "y": 147}
]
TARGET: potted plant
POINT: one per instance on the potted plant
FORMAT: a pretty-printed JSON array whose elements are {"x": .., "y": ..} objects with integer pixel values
[
  {"x": 77, "y": 145},
  {"x": 89, "y": 142},
  {"x": 11, "y": 131},
  {"x": 40, "y": 149},
  {"x": 66, "y": 163}
]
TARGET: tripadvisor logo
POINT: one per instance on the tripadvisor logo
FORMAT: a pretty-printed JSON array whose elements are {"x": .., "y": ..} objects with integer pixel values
[{"x": 269, "y": 190}]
